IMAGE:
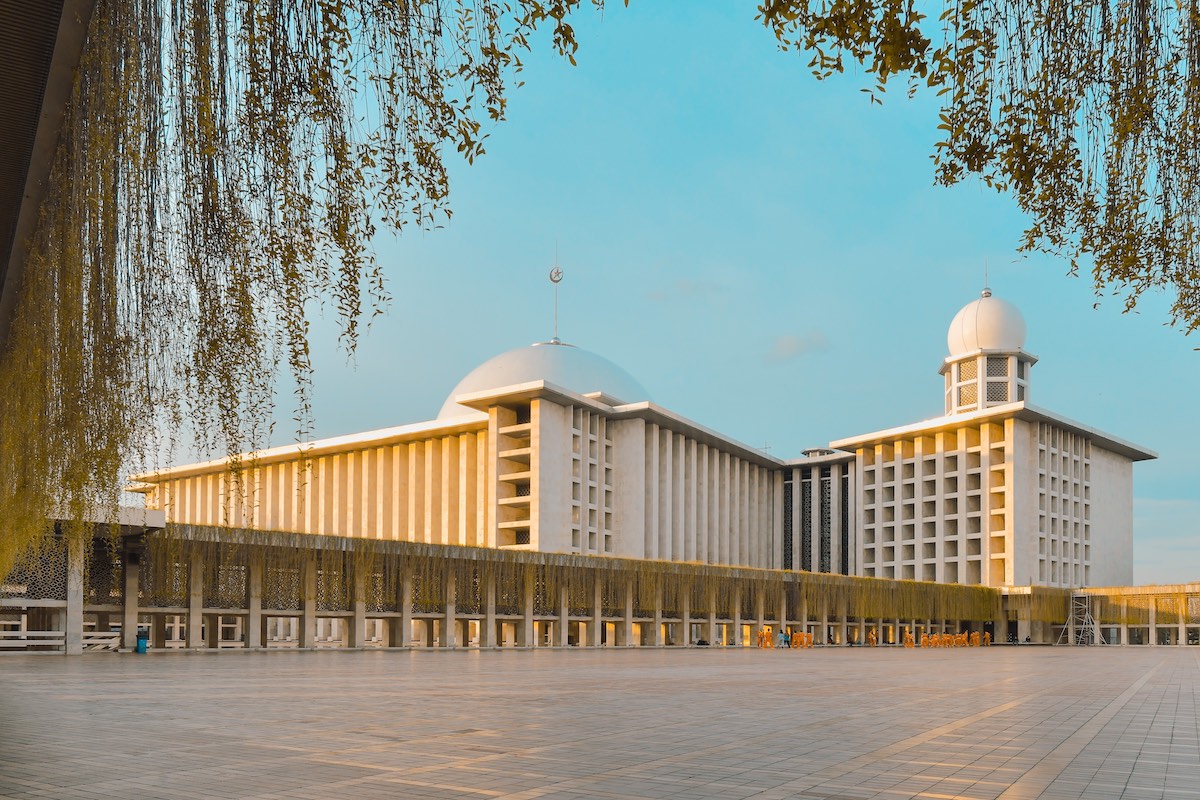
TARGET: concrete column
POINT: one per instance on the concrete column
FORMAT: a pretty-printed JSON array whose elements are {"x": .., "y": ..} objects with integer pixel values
[
  {"x": 406, "y": 617},
  {"x": 783, "y": 620},
  {"x": 356, "y": 627},
  {"x": 562, "y": 625},
  {"x": 73, "y": 618},
  {"x": 129, "y": 616},
  {"x": 254, "y": 620},
  {"x": 803, "y": 611},
  {"x": 760, "y": 607},
  {"x": 195, "y": 617},
  {"x": 685, "y": 614},
  {"x": 625, "y": 628},
  {"x": 212, "y": 631},
  {"x": 158, "y": 631},
  {"x": 737, "y": 618},
  {"x": 1124, "y": 626},
  {"x": 595, "y": 633},
  {"x": 710, "y": 625},
  {"x": 449, "y": 629},
  {"x": 1154, "y": 621},
  {"x": 1181, "y": 635},
  {"x": 308, "y": 602},
  {"x": 487, "y": 631},
  {"x": 526, "y": 634},
  {"x": 657, "y": 637}
]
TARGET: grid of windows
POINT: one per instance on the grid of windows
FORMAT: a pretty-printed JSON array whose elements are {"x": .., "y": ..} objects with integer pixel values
[
  {"x": 591, "y": 483},
  {"x": 1064, "y": 507}
]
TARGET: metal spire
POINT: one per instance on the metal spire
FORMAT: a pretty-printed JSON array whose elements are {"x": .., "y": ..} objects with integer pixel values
[{"x": 556, "y": 276}]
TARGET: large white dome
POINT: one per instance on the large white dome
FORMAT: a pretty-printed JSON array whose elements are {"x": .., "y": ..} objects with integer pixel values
[
  {"x": 554, "y": 362},
  {"x": 988, "y": 323}
]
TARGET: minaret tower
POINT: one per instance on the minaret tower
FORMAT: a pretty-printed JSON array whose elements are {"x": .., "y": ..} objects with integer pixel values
[{"x": 987, "y": 365}]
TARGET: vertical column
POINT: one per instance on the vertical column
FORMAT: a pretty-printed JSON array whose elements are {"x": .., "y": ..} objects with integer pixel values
[
  {"x": 596, "y": 626},
  {"x": 158, "y": 630},
  {"x": 1153, "y": 621},
  {"x": 73, "y": 618},
  {"x": 737, "y": 615},
  {"x": 487, "y": 633},
  {"x": 657, "y": 638},
  {"x": 449, "y": 629},
  {"x": 1182, "y": 632},
  {"x": 356, "y": 631},
  {"x": 525, "y": 636},
  {"x": 710, "y": 625},
  {"x": 254, "y": 619},
  {"x": 625, "y": 629},
  {"x": 783, "y": 620},
  {"x": 195, "y": 617},
  {"x": 1124, "y": 621},
  {"x": 562, "y": 625},
  {"x": 406, "y": 619},
  {"x": 129, "y": 616},
  {"x": 308, "y": 601},
  {"x": 760, "y": 607},
  {"x": 685, "y": 612}
]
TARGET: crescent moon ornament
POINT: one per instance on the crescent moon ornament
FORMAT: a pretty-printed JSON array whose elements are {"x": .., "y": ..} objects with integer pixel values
[{"x": 556, "y": 275}]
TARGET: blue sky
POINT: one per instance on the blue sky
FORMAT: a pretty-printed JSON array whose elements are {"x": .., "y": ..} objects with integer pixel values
[{"x": 764, "y": 252}]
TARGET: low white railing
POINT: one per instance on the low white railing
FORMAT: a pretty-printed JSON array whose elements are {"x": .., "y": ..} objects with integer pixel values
[
  {"x": 23, "y": 640},
  {"x": 101, "y": 640}
]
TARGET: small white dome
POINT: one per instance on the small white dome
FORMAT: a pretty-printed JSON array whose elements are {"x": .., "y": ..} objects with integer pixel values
[
  {"x": 988, "y": 323},
  {"x": 554, "y": 362}
]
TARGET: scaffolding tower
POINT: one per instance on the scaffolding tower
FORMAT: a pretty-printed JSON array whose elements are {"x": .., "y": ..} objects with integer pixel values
[{"x": 1081, "y": 627}]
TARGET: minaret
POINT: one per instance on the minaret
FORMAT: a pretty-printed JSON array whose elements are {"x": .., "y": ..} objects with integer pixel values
[{"x": 987, "y": 365}]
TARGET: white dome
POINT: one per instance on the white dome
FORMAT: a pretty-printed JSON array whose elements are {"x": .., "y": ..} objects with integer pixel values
[
  {"x": 554, "y": 362},
  {"x": 988, "y": 323}
]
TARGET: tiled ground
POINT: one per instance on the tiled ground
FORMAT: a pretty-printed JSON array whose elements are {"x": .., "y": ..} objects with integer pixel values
[{"x": 838, "y": 723}]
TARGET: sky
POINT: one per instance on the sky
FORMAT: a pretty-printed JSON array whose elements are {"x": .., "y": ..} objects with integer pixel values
[{"x": 766, "y": 253}]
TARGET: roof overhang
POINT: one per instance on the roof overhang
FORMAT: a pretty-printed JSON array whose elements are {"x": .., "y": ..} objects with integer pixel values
[
  {"x": 1020, "y": 410},
  {"x": 40, "y": 47}
]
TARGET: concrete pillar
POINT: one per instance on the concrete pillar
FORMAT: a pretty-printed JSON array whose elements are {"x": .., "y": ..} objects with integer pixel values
[
  {"x": 1124, "y": 626},
  {"x": 212, "y": 631},
  {"x": 685, "y": 613},
  {"x": 487, "y": 630},
  {"x": 356, "y": 626},
  {"x": 1154, "y": 621},
  {"x": 254, "y": 619},
  {"x": 308, "y": 601},
  {"x": 657, "y": 635},
  {"x": 526, "y": 634},
  {"x": 595, "y": 632},
  {"x": 158, "y": 631},
  {"x": 625, "y": 628},
  {"x": 760, "y": 607},
  {"x": 1181, "y": 634},
  {"x": 562, "y": 621},
  {"x": 783, "y": 620},
  {"x": 710, "y": 624},
  {"x": 737, "y": 617},
  {"x": 195, "y": 616},
  {"x": 406, "y": 617},
  {"x": 449, "y": 628},
  {"x": 73, "y": 618},
  {"x": 129, "y": 615}
]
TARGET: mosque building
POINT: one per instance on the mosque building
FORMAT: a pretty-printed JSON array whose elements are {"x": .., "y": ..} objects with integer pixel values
[
  {"x": 552, "y": 448},
  {"x": 553, "y": 502}
]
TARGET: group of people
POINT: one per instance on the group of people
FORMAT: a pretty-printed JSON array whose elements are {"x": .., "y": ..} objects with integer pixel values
[
  {"x": 804, "y": 640},
  {"x": 955, "y": 639},
  {"x": 785, "y": 638}
]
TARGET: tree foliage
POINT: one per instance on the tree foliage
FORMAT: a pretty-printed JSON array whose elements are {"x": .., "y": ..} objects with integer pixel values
[
  {"x": 1087, "y": 111},
  {"x": 224, "y": 164}
]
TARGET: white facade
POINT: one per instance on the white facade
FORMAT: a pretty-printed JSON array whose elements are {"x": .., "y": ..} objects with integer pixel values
[{"x": 552, "y": 448}]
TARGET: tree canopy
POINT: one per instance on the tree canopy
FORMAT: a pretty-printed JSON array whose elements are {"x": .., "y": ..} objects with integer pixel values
[{"x": 225, "y": 163}]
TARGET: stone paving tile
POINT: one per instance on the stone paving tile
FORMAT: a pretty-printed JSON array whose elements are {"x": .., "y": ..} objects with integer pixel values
[{"x": 1008, "y": 723}]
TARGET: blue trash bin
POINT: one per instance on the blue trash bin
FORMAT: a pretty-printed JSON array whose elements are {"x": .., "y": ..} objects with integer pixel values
[{"x": 143, "y": 641}]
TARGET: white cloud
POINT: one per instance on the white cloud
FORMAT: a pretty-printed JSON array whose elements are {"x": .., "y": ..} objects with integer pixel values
[{"x": 789, "y": 346}]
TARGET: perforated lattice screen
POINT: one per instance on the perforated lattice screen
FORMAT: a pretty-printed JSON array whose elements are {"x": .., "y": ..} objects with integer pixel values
[
  {"x": 40, "y": 574},
  {"x": 968, "y": 395},
  {"x": 997, "y": 392},
  {"x": 105, "y": 577},
  {"x": 968, "y": 371},
  {"x": 281, "y": 589},
  {"x": 997, "y": 367}
]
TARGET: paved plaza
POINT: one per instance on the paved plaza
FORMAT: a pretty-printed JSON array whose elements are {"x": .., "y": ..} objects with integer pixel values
[{"x": 571, "y": 724}]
